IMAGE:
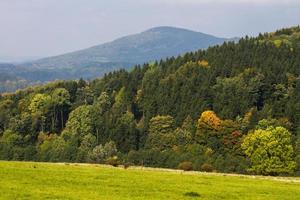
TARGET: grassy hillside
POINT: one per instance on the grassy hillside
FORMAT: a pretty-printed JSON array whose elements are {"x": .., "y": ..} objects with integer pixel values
[{"x": 22, "y": 181}]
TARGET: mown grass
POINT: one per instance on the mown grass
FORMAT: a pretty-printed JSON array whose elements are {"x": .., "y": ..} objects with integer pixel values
[{"x": 36, "y": 181}]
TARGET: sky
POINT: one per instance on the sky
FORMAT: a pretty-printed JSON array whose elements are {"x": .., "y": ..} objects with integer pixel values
[{"x": 40, "y": 28}]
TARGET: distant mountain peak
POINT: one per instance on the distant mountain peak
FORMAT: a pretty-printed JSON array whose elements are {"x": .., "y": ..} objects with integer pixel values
[
  {"x": 174, "y": 30},
  {"x": 153, "y": 44},
  {"x": 166, "y": 28}
]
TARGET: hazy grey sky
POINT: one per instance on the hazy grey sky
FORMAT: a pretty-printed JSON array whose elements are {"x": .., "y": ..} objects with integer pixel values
[{"x": 49, "y": 27}]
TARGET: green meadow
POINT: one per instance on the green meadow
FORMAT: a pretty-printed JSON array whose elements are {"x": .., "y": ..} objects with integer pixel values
[{"x": 36, "y": 181}]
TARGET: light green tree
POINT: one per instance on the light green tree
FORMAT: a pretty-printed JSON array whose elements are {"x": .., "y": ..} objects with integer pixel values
[
  {"x": 120, "y": 101},
  {"x": 80, "y": 122},
  {"x": 270, "y": 151},
  {"x": 39, "y": 107},
  {"x": 39, "y": 103},
  {"x": 103, "y": 103}
]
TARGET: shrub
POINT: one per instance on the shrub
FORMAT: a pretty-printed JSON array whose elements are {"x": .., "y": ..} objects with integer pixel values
[
  {"x": 100, "y": 153},
  {"x": 186, "y": 166},
  {"x": 113, "y": 161},
  {"x": 192, "y": 194},
  {"x": 126, "y": 165},
  {"x": 207, "y": 167}
]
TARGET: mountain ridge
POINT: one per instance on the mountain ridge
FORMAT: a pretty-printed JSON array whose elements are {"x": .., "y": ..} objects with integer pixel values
[
  {"x": 125, "y": 52},
  {"x": 157, "y": 42}
]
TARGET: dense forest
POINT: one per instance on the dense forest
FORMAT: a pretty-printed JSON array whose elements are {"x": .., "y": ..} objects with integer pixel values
[{"x": 231, "y": 108}]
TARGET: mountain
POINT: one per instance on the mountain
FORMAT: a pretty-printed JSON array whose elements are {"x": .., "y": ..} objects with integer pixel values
[
  {"x": 17, "y": 60},
  {"x": 232, "y": 108},
  {"x": 125, "y": 52},
  {"x": 153, "y": 44},
  {"x": 9, "y": 80}
]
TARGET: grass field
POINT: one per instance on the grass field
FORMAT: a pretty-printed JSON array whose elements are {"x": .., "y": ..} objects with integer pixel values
[{"x": 37, "y": 181}]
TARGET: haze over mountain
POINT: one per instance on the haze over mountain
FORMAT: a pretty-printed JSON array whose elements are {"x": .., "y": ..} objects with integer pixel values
[
  {"x": 153, "y": 44},
  {"x": 17, "y": 60}
]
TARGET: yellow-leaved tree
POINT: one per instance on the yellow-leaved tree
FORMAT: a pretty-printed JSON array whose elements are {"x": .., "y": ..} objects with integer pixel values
[{"x": 209, "y": 124}]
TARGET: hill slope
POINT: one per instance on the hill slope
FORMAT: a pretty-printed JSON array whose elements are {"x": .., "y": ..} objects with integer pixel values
[
  {"x": 153, "y": 44},
  {"x": 9, "y": 80},
  {"x": 36, "y": 181}
]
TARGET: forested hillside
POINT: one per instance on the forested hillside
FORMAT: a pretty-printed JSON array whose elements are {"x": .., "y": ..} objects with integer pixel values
[
  {"x": 122, "y": 53},
  {"x": 230, "y": 108}
]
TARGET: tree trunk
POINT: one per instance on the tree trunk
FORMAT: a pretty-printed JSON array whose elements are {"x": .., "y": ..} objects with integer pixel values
[
  {"x": 43, "y": 123},
  {"x": 62, "y": 119},
  {"x": 97, "y": 131},
  {"x": 53, "y": 120}
]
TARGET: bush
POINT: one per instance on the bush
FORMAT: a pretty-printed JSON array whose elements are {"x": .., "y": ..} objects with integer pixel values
[
  {"x": 101, "y": 153},
  {"x": 186, "y": 166},
  {"x": 126, "y": 165},
  {"x": 113, "y": 161},
  {"x": 192, "y": 194},
  {"x": 207, "y": 167},
  {"x": 135, "y": 157}
]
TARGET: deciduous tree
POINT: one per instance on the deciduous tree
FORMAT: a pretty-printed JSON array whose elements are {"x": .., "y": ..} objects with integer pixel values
[{"x": 270, "y": 151}]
